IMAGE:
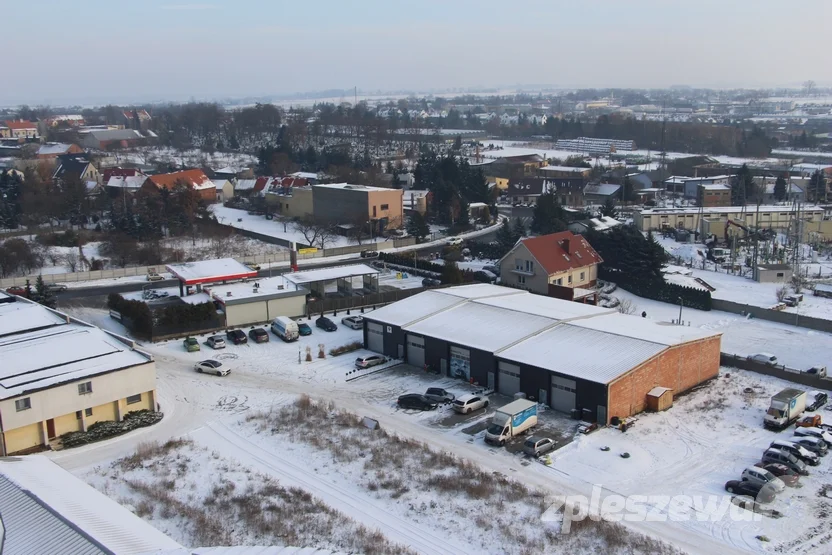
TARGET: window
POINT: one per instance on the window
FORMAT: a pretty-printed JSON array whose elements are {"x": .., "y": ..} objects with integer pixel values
[
  {"x": 23, "y": 404},
  {"x": 529, "y": 266},
  {"x": 521, "y": 279},
  {"x": 77, "y": 415},
  {"x": 133, "y": 399},
  {"x": 518, "y": 264},
  {"x": 570, "y": 278},
  {"x": 385, "y": 206},
  {"x": 583, "y": 276},
  {"x": 84, "y": 388},
  {"x": 88, "y": 412},
  {"x": 374, "y": 211},
  {"x": 780, "y": 274}
]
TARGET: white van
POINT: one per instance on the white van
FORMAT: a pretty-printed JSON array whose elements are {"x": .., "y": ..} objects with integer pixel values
[{"x": 285, "y": 328}]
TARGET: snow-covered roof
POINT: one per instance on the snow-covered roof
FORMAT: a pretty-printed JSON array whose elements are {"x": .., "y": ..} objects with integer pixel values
[
  {"x": 219, "y": 182},
  {"x": 564, "y": 169},
  {"x": 549, "y": 307},
  {"x": 227, "y": 169},
  {"x": 53, "y": 148},
  {"x": 129, "y": 182},
  {"x": 716, "y": 187},
  {"x": 59, "y": 354},
  {"x": 304, "y": 175},
  {"x": 658, "y": 391},
  {"x": 414, "y": 308},
  {"x": 251, "y": 550},
  {"x": 266, "y": 288},
  {"x": 245, "y": 184},
  {"x": 725, "y": 209},
  {"x": 824, "y": 287},
  {"x": 208, "y": 271},
  {"x": 480, "y": 290},
  {"x": 22, "y": 316},
  {"x": 327, "y": 274},
  {"x": 662, "y": 333},
  {"x": 351, "y": 187},
  {"x": 605, "y": 189},
  {"x": 48, "y": 510},
  {"x": 577, "y": 352}
]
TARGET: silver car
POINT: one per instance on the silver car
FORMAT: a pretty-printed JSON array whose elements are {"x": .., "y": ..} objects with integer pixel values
[
  {"x": 536, "y": 446},
  {"x": 353, "y": 322}
]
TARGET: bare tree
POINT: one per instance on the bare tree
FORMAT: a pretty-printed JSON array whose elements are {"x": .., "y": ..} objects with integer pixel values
[
  {"x": 309, "y": 228},
  {"x": 781, "y": 293},
  {"x": 626, "y": 306},
  {"x": 809, "y": 87},
  {"x": 326, "y": 235},
  {"x": 71, "y": 260}
]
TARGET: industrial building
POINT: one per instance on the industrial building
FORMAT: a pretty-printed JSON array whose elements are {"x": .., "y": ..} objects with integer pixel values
[
  {"x": 777, "y": 217},
  {"x": 258, "y": 300},
  {"x": 570, "y": 356},
  {"x": 61, "y": 375}
]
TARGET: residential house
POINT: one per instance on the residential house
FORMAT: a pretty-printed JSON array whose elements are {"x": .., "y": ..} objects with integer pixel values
[
  {"x": 119, "y": 185},
  {"x": 250, "y": 187},
  {"x": 66, "y": 120},
  {"x": 599, "y": 193},
  {"x": 601, "y": 223},
  {"x": 416, "y": 201},
  {"x": 107, "y": 173},
  {"x": 112, "y": 138},
  {"x": 688, "y": 186},
  {"x": 564, "y": 172},
  {"x": 569, "y": 191},
  {"x": 53, "y": 150},
  {"x": 561, "y": 259},
  {"x": 225, "y": 189},
  {"x": 311, "y": 178},
  {"x": 193, "y": 179},
  {"x": 290, "y": 196},
  {"x": 517, "y": 166},
  {"x": 359, "y": 204},
  {"x": 713, "y": 194},
  {"x": 405, "y": 180},
  {"x": 5, "y": 132},
  {"x": 794, "y": 191},
  {"x": 136, "y": 119},
  {"x": 78, "y": 168},
  {"x": 21, "y": 129}
]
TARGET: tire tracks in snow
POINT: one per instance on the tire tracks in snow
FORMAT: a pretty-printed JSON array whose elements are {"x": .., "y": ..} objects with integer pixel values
[{"x": 364, "y": 511}]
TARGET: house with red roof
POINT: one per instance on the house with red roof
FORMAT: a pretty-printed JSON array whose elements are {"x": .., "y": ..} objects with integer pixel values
[
  {"x": 194, "y": 179},
  {"x": 559, "y": 259},
  {"x": 20, "y": 129}
]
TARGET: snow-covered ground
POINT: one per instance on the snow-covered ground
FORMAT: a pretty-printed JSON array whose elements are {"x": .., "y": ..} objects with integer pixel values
[{"x": 194, "y": 158}]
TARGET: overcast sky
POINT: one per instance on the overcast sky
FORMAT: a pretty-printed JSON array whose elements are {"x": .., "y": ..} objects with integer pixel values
[{"x": 94, "y": 51}]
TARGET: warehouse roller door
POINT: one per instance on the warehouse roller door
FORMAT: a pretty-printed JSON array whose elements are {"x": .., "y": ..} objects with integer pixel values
[
  {"x": 375, "y": 337},
  {"x": 508, "y": 379},
  {"x": 416, "y": 351},
  {"x": 563, "y": 394}
]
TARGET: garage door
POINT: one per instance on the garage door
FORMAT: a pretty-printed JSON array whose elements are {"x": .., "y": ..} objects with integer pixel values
[
  {"x": 563, "y": 394},
  {"x": 460, "y": 363},
  {"x": 416, "y": 351},
  {"x": 375, "y": 337},
  {"x": 508, "y": 380}
]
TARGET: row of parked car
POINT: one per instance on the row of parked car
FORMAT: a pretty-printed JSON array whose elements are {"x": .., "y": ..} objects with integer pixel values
[{"x": 435, "y": 396}]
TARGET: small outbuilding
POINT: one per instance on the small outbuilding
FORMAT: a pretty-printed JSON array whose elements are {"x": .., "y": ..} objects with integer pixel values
[
  {"x": 773, "y": 273},
  {"x": 823, "y": 290},
  {"x": 659, "y": 399}
]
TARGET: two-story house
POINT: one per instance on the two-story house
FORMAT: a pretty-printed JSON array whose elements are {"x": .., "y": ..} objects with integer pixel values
[{"x": 563, "y": 259}]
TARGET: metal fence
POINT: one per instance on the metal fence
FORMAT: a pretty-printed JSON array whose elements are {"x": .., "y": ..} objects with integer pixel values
[
  {"x": 778, "y": 371},
  {"x": 791, "y": 318}
]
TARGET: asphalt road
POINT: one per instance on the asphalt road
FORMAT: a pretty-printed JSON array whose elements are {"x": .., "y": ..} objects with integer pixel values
[{"x": 103, "y": 290}]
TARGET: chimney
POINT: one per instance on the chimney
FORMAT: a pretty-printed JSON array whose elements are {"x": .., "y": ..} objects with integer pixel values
[{"x": 565, "y": 245}]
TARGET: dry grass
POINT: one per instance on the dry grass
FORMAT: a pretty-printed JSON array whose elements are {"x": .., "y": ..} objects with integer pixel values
[{"x": 401, "y": 468}]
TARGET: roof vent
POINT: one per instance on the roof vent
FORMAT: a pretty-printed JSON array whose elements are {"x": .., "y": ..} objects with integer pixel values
[
  {"x": 228, "y": 293},
  {"x": 279, "y": 287}
]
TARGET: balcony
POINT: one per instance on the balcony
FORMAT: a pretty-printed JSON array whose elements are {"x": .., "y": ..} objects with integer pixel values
[{"x": 520, "y": 271}]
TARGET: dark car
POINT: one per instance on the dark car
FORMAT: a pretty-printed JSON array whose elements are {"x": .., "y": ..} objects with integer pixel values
[
  {"x": 326, "y": 324},
  {"x": 430, "y": 282},
  {"x": 304, "y": 329},
  {"x": 236, "y": 336},
  {"x": 439, "y": 395},
  {"x": 259, "y": 335},
  {"x": 416, "y": 401},
  {"x": 816, "y": 400},
  {"x": 789, "y": 476},
  {"x": 369, "y": 254},
  {"x": 56, "y": 287},
  {"x": 759, "y": 492}
]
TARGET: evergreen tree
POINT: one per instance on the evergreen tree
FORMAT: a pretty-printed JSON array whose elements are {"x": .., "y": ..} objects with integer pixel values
[
  {"x": 417, "y": 226},
  {"x": 743, "y": 189},
  {"x": 548, "y": 216},
  {"x": 608, "y": 209},
  {"x": 505, "y": 237},
  {"x": 42, "y": 294},
  {"x": 780, "y": 189},
  {"x": 451, "y": 274},
  {"x": 817, "y": 187},
  {"x": 519, "y": 230}
]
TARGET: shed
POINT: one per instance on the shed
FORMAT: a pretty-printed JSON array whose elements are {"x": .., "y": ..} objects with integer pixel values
[
  {"x": 773, "y": 273},
  {"x": 659, "y": 399},
  {"x": 823, "y": 290}
]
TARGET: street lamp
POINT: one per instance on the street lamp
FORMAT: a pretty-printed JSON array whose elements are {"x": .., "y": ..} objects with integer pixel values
[{"x": 680, "y": 310}]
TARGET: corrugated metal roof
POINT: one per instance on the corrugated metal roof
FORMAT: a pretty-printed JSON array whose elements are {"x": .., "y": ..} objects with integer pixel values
[
  {"x": 250, "y": 550},
  {"x": 413, "y": 308},
  {"x": 32, "y": 528},
  {"x": 664, "y": 333},
  {"x": 546, "y": 306},
  {"x": 582, "y": 353},
  {"x": 87, "y": 511},
  {"x": 480, "y": 290}
]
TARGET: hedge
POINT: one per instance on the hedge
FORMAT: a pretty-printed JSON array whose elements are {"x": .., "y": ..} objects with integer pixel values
[
  {"x": 136, "y": 315},
  {"x": 429, "y": 269},
  {"x": 111, "y": 428}
]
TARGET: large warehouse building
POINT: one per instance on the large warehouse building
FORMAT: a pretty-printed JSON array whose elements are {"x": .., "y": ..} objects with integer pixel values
[
  {"x": 564, "y": 354},
  {"x": 60, "y": 375}
]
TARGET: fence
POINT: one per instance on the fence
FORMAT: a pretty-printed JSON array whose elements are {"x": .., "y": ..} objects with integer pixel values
[
  {"x": 347, "y": 303},
  {"x": 791, "y": 318},
  {"x": 778, "y": 371}
]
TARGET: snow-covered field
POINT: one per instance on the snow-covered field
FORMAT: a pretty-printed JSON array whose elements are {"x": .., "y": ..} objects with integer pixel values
[{"x": 194, "y": 158}]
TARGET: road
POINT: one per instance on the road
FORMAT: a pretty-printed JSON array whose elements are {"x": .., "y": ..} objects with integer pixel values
[{"x": 102, "y": 290}]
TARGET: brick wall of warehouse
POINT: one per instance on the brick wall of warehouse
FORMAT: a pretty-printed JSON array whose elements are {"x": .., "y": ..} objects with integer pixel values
[{"x": 680, "y": 368}]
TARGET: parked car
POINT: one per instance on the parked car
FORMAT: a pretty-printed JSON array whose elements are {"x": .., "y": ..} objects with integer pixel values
[
  {"x": 797, "y": 450},
  {"x": 454, "y": 241},
  {"x": 764, "y": 358},
  {"x": 304, "y": 329},
  {"x": 536, "y": 446},
  {"x": 430, "y": 282},
  {"x": 762, "y": 477},
  {"x": 369, "y": 360},
  {"x": 415, "y": 401},
  {"x": 811, "y": 443},
  {"x": 815, "y": 432},
  {"x": 816, "y": 400},
  {"x": 56, "y": 287},
  {"x": 17, "y": 290},
  {"x": 469, "y": 403},
  {"x": 491, "y": 268},
  {"x": 191, "y": 344},
  {"x": 808, "y": 421},
  {"x": 155, "y": 277},
  {"x": 255, "y": 267},
  {"x": 439, "y": 395},
  {"x": 784, "y": 458},
  {"x": 819, "y": 371},
  {"x": 353, "y": 322},
  {"x": 238, "y": 337},
  {"x": 326, "y": 324},
  {"x": 212, "y": 367},
  {"x": 259, "y": 335},
  {"x": 787, "y": 475},
  {"x": 369, "y": 254},
  {"x": 216, "y": 342},
  {"x": 761, "y": 493}
]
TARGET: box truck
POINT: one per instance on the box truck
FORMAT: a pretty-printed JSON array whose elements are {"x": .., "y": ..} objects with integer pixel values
[
  {"x": 786, "y": 407},
  {"x": 511, "y": 420},
  {"x": 285, "y": 328}
]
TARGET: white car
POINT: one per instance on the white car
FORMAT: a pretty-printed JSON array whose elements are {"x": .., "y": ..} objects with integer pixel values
[
  {"x": 469, "y": 403},
  {"x": 763, "y": 477},
  {"x": 454, "y": 241},
  {"x": 764, "y": 358},
  {"x": 353, "y": 322},
  {"x": 814, "y": 432},
  {"x": 212, "y": 367}
]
